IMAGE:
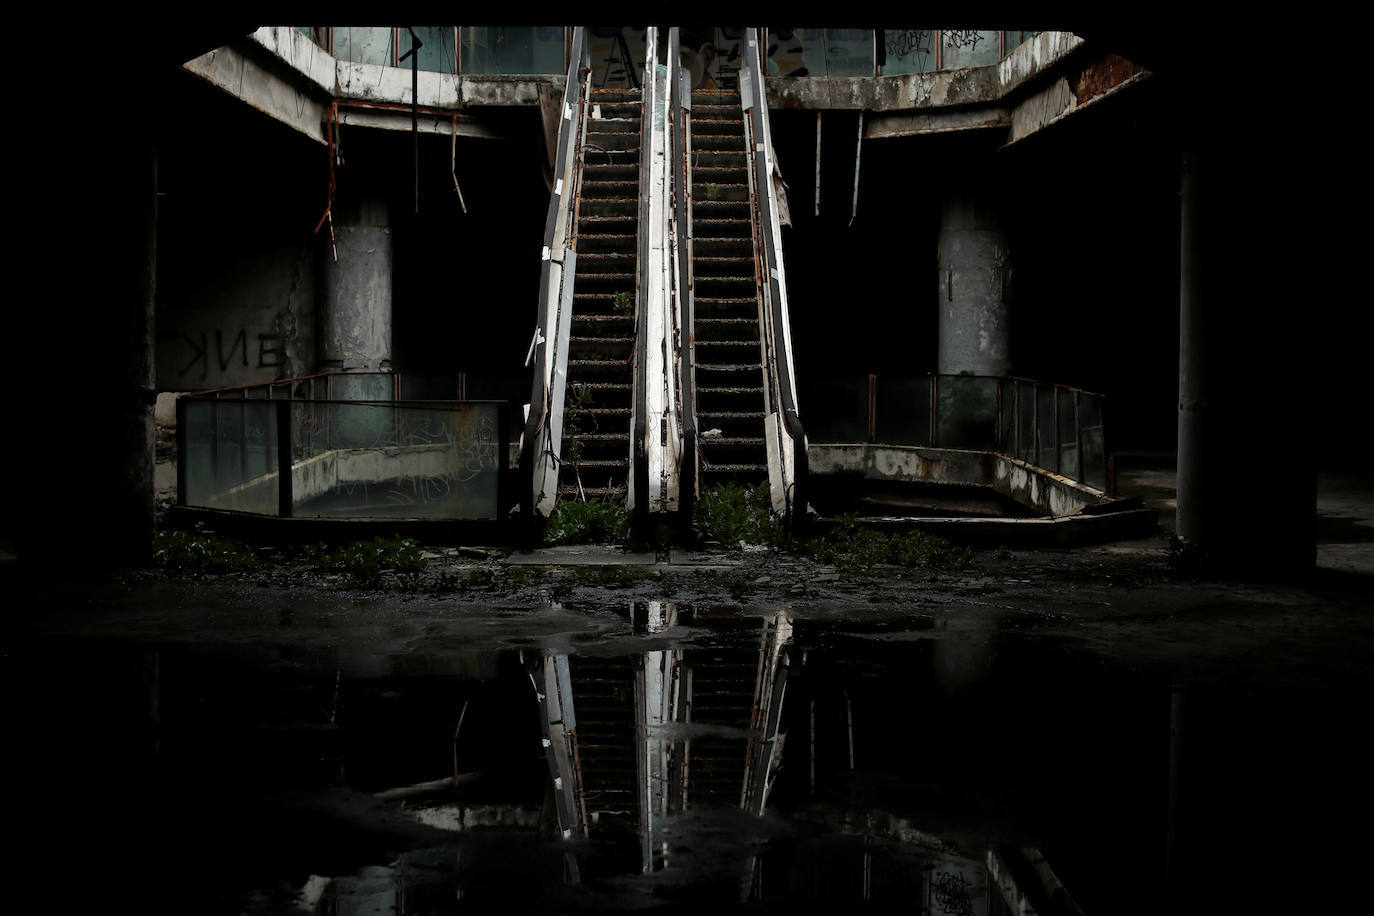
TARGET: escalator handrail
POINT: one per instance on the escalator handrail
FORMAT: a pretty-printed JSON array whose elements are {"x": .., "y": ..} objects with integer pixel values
[
  {"x": 639, "y": 458},
  {"x": 679, "y": 106},
  {"x": 561, "y": 199},
  {"x": 780, "y": 366}
]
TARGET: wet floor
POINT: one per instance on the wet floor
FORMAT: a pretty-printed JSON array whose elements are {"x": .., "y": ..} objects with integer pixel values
[{"x": 647, "y": 754}]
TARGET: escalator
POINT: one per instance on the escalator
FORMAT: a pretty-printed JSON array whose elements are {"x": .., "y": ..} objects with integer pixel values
[
  {"x": 662, "y": 359},
  {"x": 584, "y": 431},
  {"x": 730, "y": 401},
  {"x": 599, "y": 403},
  {"x": 740, "y": 417}
]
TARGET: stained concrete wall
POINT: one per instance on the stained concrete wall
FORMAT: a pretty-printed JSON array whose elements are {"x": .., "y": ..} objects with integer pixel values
[
  {"x": 356, "y": 293},
  {"x": 247, "y": 316},
  {"x": 240, "y": 197},
  {"x": 975, "y": 328}
]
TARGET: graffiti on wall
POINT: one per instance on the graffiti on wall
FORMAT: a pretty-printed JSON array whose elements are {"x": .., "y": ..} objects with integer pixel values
[
  {"x": 713, "y": 56},
  {"x": 215, "y": 353},
  {"x": 909, "y": 50}
]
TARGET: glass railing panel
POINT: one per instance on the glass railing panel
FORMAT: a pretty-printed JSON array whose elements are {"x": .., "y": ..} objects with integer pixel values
[
  {"x": 902, "y": 410},
  {"x": 909, "y": 50},
  {"x": 1044, "y": 395},
  {"x": 836, "y": 52},
  {"x": 510, "y": 50},
  {"x": 231, "y": 455},
  {"x": 422, "y": 462},
  {"x": 836, "y": 408},
  {"x": 365, "y": 44},
  {"x": 1068, "y": 436},
  {"x": 1094, "y": 458},
  {"x": 438, "y": 48},
  {"x": 1025, "y": 422},
  {"x": 960, "y": 48},
  {"x": 966, "y": 412}
]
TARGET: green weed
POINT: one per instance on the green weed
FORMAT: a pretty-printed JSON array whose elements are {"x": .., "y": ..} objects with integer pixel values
[
  {"x": 480, "y": 578},
  {"x": 590, "y": 522},
  {"x": 365, "y": 561},
  {"x": 854, "y": 547},
  {"x": 736, "y": 515},
  {"x": 199, "y": 551}
]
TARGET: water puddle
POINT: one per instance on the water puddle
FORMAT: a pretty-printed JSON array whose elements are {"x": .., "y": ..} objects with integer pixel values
[{"x": 707, "y": 758}]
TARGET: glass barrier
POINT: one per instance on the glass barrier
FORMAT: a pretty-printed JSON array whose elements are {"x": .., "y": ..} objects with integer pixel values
[
  {"x": 902, "y": 408},
  {"x": 1094, "y": 459},
  {"x": 1044, "y": 433},
  {"x": 421, "y": 462},
  {"x": 512, "y": 50},
  {"x": 909, "y": 50},
  {"x": 960, "y": 48},
  {"x": 966, "y": 412},
  {"x": 368, "y": 456},
  {"x": 837, "y": 408},
  {"x": 1025, "y": 422},
  {"x": 835, "y": 52},
  {"x": 230, "y": 455},
  {"x": 365, "y": 44},
  {"x": 1006, "y": 419},
  {"x": 1067, "y": 431},
  {"x": 1050, "y": 426},
  {"x": 438, "y": 48}
]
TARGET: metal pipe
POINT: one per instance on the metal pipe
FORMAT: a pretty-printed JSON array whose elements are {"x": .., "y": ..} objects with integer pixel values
[
  {"x": 285, "y": 483},
  {"x": 858, "y": 159},
  {"x": 872, "y": 407},
  {"x": 818, "y": 163},
  {"x": 414, "y": 55}
]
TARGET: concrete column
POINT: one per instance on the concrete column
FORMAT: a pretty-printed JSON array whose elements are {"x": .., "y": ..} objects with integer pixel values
[
  {"x": 355, "y": 291},
  {"x": 1248, "y": 433},
  {"x": 81, "y": 457},
  {"x": 975, "y": 327}
]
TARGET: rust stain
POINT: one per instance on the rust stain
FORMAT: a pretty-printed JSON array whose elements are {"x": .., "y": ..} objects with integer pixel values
[{"x": 1102, "y": 75}]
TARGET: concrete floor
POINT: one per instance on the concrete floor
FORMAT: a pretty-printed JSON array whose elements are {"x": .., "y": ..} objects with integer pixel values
[{"x": 1028, "y": 698}]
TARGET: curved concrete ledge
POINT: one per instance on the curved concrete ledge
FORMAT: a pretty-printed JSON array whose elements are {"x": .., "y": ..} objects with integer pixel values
[{"x": 1072, "y": 512}]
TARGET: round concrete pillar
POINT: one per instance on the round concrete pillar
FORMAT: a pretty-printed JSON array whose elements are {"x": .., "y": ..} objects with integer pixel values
[
  {"x": 975, "y": 327},
  {"x": 355, "y": 299}
]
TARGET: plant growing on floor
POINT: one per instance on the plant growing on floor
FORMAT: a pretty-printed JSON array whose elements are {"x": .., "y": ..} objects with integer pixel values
[
  {"x": 200, "y": 551},
  {"x": 711, "y": 190},
  {"x": 590, "y": 522},
  {"x": 850, "y": 546},
  {"x": 736, "y": 515},
  {"x": 364, "y": 561},
  {"x": 622, "y": 303}
]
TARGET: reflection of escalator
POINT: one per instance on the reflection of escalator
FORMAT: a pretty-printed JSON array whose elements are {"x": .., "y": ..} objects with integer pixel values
[
  {"x": 606, "y": 758},
  {"x": 600, "y": 386},
  {"x": 730, "y": 401}
]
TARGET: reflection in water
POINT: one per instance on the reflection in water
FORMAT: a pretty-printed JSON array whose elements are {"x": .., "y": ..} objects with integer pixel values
[
  {"x": 631, "y": 740},
  {"x": 697, "y": 756}
]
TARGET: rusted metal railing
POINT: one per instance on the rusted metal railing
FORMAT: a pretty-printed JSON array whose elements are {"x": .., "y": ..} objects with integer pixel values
[{"x": 1059, "y": 428}]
